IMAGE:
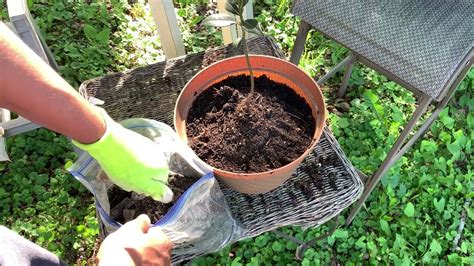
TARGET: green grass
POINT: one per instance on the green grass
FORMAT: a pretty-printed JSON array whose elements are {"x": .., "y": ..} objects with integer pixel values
[{"x": 411, "y": 217}]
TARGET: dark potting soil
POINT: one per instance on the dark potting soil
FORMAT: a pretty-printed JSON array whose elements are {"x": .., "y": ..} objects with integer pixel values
[
  {"x": 125, "y": 207},
  {"x": 233, "y": 132}
]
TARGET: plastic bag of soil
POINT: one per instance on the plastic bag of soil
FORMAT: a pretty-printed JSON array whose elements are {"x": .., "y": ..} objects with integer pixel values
[{"x": 199, "y": 220}]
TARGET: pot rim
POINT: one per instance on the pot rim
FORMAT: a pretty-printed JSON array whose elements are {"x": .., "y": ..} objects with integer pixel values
[{"x": 299, "y": 159}]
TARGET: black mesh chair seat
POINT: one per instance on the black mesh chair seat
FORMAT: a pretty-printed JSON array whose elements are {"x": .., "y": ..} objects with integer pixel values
[{"x": 420, "y": 42}]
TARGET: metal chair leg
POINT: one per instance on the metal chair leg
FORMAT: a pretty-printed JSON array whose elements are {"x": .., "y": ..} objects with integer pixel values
[
  {"x": 350, "y": 59},
  {"x": 23, "y": 25},
  {"x": 298, "y": 48},
  {"x": 346, "y": 77},
  {"x": 287, "y": 236},
  {"x": 27, "y": 30},
  {"x": 389, "y": 160},
  {"x": 302, "y": 248},
  {"x": 397, "y": 150},
  {"x": 17, "y": 126}
]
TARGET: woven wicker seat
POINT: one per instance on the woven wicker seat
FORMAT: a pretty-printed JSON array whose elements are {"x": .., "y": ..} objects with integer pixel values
[
  {"x": 425, "y": 46},
  {"x": 304, "y": 200}
]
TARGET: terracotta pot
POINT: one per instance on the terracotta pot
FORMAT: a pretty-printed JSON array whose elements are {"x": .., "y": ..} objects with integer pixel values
[{"x": 277, "y": 70}]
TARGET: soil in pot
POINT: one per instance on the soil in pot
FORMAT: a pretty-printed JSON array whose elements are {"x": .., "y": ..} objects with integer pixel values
[
  {"x": 236, "y": 133},
  {"x": 126, "y": 206}
]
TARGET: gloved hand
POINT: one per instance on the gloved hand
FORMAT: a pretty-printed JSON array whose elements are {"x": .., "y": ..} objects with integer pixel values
[{"x": 131, "y": 161}]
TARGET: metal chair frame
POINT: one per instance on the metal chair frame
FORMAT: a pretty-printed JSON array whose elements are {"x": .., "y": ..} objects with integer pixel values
[
  {"x": 404, "y": 141},
  {"x": 23, "y": 25}
]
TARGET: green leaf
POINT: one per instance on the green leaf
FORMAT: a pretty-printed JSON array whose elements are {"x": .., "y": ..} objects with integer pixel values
[
  {"x": 331, "y": 240},
  {"x": 20, "y": 143},
  {"x": 68, "y": 164},
  {"x": 385, "y": 227},
  {"x": 261, "y": 241},
  {"x": 446, "y": 119},
  {"x": 103, "y": 36},
  {"x": 402, "y": 190},
  {"x": 248, "y": 253},
  {"x": 219, "y": 20},
  {"x": 460, "y": 137},
  {"x": 439, "y": 205},
  {"x": 254, "y": 261},
  {"x": 277, "y": 247},
  {"x": 455, "y": 259},
  {"x": 250, "y": 23},
  {"x": 361, "y": 242},
  {"x": 309, "y": 253},
  {"x": 256, "y": 31},
  {"x": 343, "y": 122},
  {"x": 471, "y": 105},
  {"x": 464, "y": 100},
  {"x": 435, "y": 247},
  {"x": 392, "y": 180},
  {"x": 470, "y": 212},
  {"x": 90, "y": 31},
  {"x": 372, "y": 247},
  {"x": 455, "y": 149},
  {"x": 397, "y": 114},
  {"x": 399, "y": 243},
  {"x": 428, "y": 146},
  {"x": 232, "y": 7},
  {"x": 371, "y": 96},
  {"x": 441, "y": 164},
  {"x": 251, "y": 26},
  {"x": 409, "y": 210},
  {"x": 339, "y": 233},
  {"x": 464, "y": 247},
  {"x": 470, "y": 120},
  {"x": 196, "y": 20},
  {"x": 468, "y": 146},
  {"x": 290, "y": 245},
  {"x": 373, "y": 99},
  {"x": 236, "y": 262},
  {"x": 445, "y": 137}
]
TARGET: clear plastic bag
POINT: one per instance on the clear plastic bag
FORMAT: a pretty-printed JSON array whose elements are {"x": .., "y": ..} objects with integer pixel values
[{"x": 200, "y": 221}]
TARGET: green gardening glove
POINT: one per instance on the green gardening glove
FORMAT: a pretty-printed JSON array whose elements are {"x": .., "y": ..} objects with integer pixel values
[{"x": 130, "y": 160}]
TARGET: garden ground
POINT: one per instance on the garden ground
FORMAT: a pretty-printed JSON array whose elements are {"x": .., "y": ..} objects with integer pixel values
[{"x": 412, "y": 217}]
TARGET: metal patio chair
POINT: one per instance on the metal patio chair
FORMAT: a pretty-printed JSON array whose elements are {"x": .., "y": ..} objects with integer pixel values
[
  {"x": 425, "y": 46},
  {"x": 23, "y": 25}
]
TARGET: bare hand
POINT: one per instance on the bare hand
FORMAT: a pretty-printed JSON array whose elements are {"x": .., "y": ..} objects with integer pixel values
[{"x": 136, "y": 243}]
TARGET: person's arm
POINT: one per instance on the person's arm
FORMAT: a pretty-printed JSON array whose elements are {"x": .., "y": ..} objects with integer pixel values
[{"x": 32, "y": 89}]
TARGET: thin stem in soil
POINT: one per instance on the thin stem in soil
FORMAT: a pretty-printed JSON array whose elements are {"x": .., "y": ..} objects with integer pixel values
[{"x": 247, "y": 58}]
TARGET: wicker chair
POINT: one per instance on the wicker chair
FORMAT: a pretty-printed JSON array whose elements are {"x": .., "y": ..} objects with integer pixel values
[
  {"x": 323, "y": 186},
  {"x": 425, "y": 46}
]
